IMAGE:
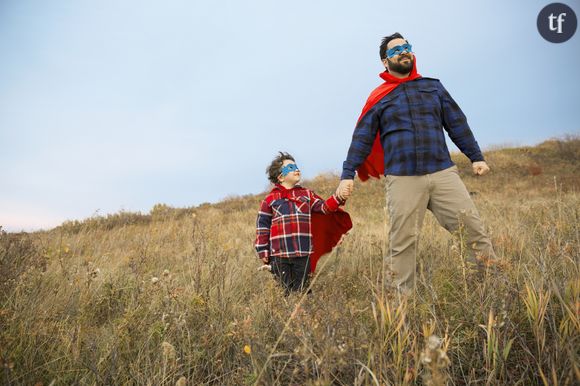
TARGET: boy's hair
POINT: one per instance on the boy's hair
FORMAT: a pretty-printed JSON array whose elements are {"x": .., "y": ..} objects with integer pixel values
[
  {"x": 385, "y": 41},
  {"x": 275, "y": 168}
]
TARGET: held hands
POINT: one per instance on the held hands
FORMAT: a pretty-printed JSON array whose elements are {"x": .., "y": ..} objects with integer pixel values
[
  {"x": 345, "y": 189},
  {"x": 480, "y": 168}
]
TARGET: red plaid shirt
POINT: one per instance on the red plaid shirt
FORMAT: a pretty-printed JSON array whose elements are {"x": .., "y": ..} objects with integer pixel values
[{"x": 283, "y": 227}]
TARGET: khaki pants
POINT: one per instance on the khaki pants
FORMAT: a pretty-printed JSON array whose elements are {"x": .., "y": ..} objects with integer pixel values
[{"x": 444, "y": 194}]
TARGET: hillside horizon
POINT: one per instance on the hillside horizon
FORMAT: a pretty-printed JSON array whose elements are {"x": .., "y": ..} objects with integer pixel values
[
  {"x": 534, "y": 169},
  {"x": 528, "y": 161}
]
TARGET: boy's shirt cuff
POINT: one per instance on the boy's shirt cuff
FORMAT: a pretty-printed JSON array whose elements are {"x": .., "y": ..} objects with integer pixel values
[{"x": 333, "y": 203}]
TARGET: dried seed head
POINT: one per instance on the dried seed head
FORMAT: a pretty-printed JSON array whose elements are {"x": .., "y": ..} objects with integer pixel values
[
  {"x": 434, "y": 342},
  {"x": 168, "y": 351}
]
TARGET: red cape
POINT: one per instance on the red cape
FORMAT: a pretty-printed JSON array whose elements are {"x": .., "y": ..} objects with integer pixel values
[
  {"x": 326, "y": 229},
  {"x": 374, "y": 165}
]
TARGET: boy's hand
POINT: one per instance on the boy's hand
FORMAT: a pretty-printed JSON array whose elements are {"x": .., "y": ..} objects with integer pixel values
[
  {"x": 265, "y": 260},
  {"x": 265, "y": 267}
]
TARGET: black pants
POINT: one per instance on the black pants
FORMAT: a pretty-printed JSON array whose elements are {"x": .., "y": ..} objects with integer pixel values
[{"x": 292, "y": 273}]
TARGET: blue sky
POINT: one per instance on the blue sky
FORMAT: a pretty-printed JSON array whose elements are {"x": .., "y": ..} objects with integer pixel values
[{"x": 119, "y": 105}]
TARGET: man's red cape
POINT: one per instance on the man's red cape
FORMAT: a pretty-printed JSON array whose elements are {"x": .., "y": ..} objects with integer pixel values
[{"x": 374, "y": 165}]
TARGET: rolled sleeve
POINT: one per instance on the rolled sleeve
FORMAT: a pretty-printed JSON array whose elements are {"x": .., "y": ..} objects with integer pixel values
[{"x": 332, "y": 203}]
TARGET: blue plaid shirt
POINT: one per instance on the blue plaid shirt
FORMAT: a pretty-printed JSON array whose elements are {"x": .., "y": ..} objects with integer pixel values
[{"x": 410, "y": 120}]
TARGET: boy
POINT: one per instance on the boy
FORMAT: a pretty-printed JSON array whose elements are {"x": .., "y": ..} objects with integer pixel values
[{"x": 285, "y": 231}]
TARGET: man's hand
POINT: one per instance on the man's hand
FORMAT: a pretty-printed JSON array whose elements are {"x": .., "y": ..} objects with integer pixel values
[
  {"x": 345, "y": 189},
  {"x": 480, "y": 168}
]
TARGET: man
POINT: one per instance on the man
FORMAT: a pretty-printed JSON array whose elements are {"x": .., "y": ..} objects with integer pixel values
[{"x": 400, "y": 134}]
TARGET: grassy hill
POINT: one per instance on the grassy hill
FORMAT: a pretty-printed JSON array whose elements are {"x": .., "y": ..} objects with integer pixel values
[{"x": 173, "y": 296}]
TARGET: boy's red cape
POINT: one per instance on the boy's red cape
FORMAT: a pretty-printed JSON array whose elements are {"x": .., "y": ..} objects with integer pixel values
[
  {"x": 326, "y": 229},
  {"x": 374, "y": 165}
]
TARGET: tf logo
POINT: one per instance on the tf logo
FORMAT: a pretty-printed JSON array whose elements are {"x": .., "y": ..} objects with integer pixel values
[{"x": 557, "y": 22}]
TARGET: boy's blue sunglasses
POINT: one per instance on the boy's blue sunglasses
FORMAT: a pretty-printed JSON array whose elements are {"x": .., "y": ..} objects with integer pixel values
[
  {"x": 289, "y": 168},
  {"x": 397, "y": 50}
]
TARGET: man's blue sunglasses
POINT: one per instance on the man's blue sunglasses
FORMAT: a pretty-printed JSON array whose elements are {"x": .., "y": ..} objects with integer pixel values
[
  {"x": 397, "y": 50},
  {"x": 289, "y": 168}
]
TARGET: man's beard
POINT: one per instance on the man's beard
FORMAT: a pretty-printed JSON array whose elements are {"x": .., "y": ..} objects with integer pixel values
[{"x": 401, "y": 68}]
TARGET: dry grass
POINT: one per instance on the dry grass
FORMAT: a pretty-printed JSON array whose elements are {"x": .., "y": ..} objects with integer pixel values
[{"x": 173, "y": 297}]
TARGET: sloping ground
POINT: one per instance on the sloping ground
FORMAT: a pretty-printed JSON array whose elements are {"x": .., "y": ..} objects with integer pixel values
[{"x": 151, "y": 298}]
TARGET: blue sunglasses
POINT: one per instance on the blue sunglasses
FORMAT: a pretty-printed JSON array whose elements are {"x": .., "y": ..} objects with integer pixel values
[
  {"x": 288, "y": 168},
  {"x": 397, "y": 50}
]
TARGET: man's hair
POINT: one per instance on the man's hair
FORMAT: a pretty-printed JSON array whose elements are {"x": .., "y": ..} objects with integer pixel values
[
  {"x": 385, "y": 41},
  {"x": 275, "y": 168}
]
